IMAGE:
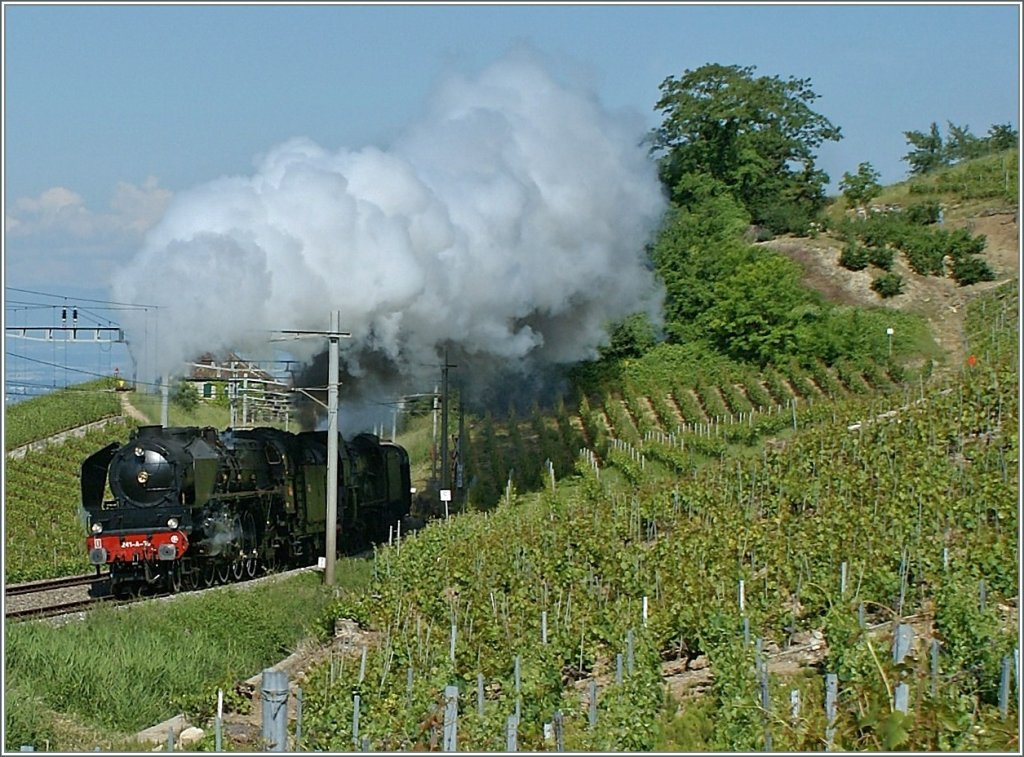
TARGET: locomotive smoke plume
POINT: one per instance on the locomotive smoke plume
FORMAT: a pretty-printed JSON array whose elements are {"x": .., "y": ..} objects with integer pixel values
[{"x": 508, "y": 225}]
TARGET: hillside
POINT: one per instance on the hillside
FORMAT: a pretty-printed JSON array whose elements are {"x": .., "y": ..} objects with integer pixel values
[{"x": 939, "y": 300}]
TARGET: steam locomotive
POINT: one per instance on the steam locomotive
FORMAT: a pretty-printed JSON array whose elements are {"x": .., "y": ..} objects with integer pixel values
[{"x": 191, "y": 506}]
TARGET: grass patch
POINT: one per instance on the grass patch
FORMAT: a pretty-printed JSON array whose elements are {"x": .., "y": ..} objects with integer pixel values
[
  {"x": 50, "y": 414},
  {"x": 127, "y": 669},
  {"x": 202, "y": 415}
]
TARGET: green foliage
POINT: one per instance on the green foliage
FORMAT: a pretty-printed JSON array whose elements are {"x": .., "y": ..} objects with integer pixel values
[
  {"x": 887, "y": 285},
  {"x": 926, "y": 247},
  {"x": 922, "y": 213},
  {"x": 757, "y": 310},
  {"x": 49, "y": 414},
  {"x": 45, "y": 536},
  {"x": 928, "y": 153},
  {"x": 185, "y": 396},
  {"x": 756, "y": 135},
  {"x": 924, "y": 251},
  {"x": 1002, "y": 137},
  {"x": 630, "y": 338},
  {"x": 967, "y": 270},
  {"x": 862, "y": 187},
  {"x": 184, "y": 650},
  {"x": 973, "y": 640},
  {"x": 881, "y": 257},
  {"x": 991, "y": 177},
  {"x": 854, "y": 257},
  {"x": 738, "y": 726},
  {"x": 931, "y": 152},
  {"x": 698, "y": 245},
  {"x": 962, "y": 145}
]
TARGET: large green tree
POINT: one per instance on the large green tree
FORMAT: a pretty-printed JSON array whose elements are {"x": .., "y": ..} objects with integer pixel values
[
  {"x": 757, "y": 135},
  {"x": 759, "y": 309},
  {"x": 699, "y": 243}
]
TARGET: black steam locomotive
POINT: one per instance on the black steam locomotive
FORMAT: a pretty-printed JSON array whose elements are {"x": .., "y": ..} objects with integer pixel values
[{"x": 190, "y": 507}]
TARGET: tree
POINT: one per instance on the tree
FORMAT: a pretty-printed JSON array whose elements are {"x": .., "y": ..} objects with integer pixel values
[
  {"x": 861, "y": 188},
  {"x": 1001, "y": 137},
  {"x": 755, "y": 135},
  {"x": 928, "y": 153},
  {"x": 759, "y": 309},
  {"x": 630, "y": 338},
  {"x": 961, "y": 144},
  {"x": 185, "y": 396},
  {"x": 699, "y": 243}
]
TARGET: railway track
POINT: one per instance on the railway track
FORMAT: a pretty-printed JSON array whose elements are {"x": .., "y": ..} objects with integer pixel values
[
  {"x": 59, "y": 596},
  {"x": 52, "y": 610},
  {"x": 35, "y": 587},
  {"x": 64, "y": 596}
]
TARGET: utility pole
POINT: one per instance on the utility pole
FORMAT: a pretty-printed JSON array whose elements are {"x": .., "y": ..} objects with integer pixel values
[
  {"x": 331, "y": 526},
  {"x": 332, "y": 449},
  {"x": 433, "y": 437},
  {"x": 445, "y": 470},
  {"x": 165, "y": 394},
  {"x": 459, "y": 466}
]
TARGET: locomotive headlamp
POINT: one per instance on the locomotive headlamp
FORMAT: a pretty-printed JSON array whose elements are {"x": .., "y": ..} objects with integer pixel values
[
  {"x": 96, "y": 528},
  {"x": 139, "y": 452},
  {"x": 172, "y": 522},
  {"x": 143, "y": 476}
]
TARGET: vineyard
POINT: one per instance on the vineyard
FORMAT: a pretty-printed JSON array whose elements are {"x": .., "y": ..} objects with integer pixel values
[
  {"x": 43, "y": 531},
  {"x": 660, "y": 548},
  {"x": 45, "y": 536},
  {"x": 685, "y": 416},
  {"x": 690, "y": 521},
  {"x": 62, "y": 410}
]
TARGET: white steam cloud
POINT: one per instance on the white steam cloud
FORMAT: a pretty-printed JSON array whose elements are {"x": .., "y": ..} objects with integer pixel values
[{"x": 509, "y": 224}]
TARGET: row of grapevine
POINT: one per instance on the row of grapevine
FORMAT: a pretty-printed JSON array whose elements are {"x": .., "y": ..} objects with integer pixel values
[
  {"x": 584, "y": 559},
  {"x": 898, "y": 505},
  {"x": 50, "y": 414},
  {"x": 44, "y": 533},
  {"x": 719, "y": 408}
]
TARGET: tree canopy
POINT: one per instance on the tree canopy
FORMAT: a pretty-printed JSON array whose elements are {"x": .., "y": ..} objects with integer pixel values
[
  {"x": 756, "y": 135},
  {"x": 862, "y": 187},
  {"x": 930, "y": 151}
]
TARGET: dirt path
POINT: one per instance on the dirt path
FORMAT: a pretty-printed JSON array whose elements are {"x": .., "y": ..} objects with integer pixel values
[{"x": 127, "y": 408}]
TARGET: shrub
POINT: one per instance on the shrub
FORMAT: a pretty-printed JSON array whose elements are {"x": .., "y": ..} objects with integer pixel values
[
  {"x": 854, "y": 257},
  {"x": 185, "y": 396},
  {"x": 960, "y": 242},
  {"x": 881, "y": 257},
  {"x": 923, "y": 213},
  {"x": 925, "y": 252},
  {"x": 968, "y": 269},
  {"x": 888, "y": 284}
]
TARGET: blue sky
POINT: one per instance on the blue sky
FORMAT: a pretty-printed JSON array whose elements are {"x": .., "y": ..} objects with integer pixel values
[{"x": 110, "y": 112}]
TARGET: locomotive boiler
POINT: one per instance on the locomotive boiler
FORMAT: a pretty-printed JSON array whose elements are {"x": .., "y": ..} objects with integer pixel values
[{"x": 191, "y": 506}]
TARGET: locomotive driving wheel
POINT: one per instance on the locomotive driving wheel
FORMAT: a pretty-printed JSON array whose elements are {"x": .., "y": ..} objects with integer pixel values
[
  {"x": 238, "y": 564},
  {"x": 174, "y": 578},
  {"x": 250, "y": 552},
  {"x": 190, "y": 577},
  {"x": 209, "y": 574}
]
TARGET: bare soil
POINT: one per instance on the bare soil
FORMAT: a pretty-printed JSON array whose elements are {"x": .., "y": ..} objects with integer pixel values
[{"x": 941, "y": 301}]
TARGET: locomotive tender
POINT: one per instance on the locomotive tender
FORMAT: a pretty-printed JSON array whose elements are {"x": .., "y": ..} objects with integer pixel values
[{"x": 193, "y": 506}]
